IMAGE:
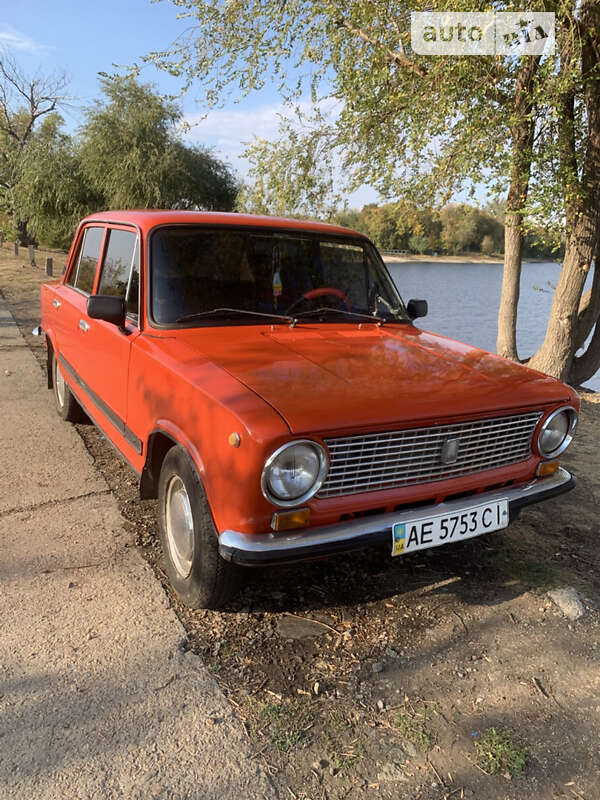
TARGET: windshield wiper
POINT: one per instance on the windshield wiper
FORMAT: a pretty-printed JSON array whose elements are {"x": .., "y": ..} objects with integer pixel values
[
  {"x": 228, "y": 312},
  {"x": 327, "y": 310}
]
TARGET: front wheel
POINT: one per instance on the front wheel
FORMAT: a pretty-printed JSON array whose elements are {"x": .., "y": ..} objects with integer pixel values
[{"x": 201, "y": 578}]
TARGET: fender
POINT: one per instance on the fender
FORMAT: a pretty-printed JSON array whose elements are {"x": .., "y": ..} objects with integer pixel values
[{"x": 149, "y": 477}]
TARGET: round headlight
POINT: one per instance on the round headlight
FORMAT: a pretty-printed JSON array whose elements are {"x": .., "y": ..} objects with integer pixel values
[
  {"x": 294, "y": 472},
  {"x": 557, "y": 432}
]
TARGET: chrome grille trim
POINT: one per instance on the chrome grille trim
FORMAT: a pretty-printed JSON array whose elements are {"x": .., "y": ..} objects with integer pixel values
[{"x": 370, "y": 462}]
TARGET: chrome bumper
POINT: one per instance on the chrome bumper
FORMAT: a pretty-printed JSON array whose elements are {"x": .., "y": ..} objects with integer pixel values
[{"x": 279, "y": 548}]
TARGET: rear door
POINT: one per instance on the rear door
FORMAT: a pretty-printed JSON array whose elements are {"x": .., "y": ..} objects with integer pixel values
[{"x": 107, "y": 348}]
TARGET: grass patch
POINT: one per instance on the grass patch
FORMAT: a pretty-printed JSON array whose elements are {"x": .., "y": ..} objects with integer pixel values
[
  {"x": 413, "y": 725},
  {"x": 344, "y": 750},
  {"x": 285, "y": 723},
  {"x": 498, "y": 751}
]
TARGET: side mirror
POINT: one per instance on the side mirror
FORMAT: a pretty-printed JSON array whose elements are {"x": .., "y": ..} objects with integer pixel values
[
  {"x": 108, "y": 308},
  {"x": 417, "y": 308}
]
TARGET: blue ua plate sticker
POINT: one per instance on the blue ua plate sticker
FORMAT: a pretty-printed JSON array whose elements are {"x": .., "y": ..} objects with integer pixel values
[{"x": 399, "y": 539}]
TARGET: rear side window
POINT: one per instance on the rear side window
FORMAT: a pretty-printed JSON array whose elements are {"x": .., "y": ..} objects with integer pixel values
[
  {"x": 120, "y": 270},
  {"x": 82, "y": 277}
]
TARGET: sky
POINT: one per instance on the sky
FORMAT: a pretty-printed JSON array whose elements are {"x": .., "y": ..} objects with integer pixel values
[{"x": 84, "y": 38}]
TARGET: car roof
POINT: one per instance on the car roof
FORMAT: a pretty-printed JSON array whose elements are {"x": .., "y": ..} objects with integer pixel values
[{"x": 150, "y": 218}]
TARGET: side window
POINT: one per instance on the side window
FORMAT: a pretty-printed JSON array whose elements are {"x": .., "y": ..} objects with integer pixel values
[
  {"x": 82, "y": 276},
  {"x": 120, "y": 270}
]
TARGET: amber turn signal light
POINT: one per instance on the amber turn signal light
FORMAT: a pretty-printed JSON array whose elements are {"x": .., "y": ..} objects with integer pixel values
[
  {"x": 546, "y": 468},
  {"x": 289, "y": 520}
]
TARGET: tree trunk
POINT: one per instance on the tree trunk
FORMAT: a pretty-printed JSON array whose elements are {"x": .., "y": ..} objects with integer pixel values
[
  {"x": 23, "y": 235},
  {"x": 582, "y": 201},
  {"x": 589, "y": 308},
  {"x": 522, "y": 142},
  {"x": 556, "y": 354},
  {"x": 587, "y": 365},
  {"x": 511, "y": 285}
]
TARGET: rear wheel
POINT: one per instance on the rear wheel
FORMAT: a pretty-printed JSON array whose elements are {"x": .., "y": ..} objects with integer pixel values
[
  {"x": 66, "y": 404},
  {"x": 199, "y": 575}
]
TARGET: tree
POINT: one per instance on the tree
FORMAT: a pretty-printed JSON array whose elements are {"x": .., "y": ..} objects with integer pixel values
[
  {"x": 54, "y": 192},
  {"x": 459, "y": 228},
  {"x": 577, "y": 110},
  {"x": 128, "y": 154},
  {"x": 416, "y": 126},
  {"x": 487, "y": 245},
  {"x": 24, "y": 100},
  {"x": 132, "y": 154}
]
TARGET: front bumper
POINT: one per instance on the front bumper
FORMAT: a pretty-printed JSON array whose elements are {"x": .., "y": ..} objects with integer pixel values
[{"x": 257, "y": 549}]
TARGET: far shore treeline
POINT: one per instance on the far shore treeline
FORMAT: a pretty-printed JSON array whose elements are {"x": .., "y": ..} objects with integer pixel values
[{"x": 457, "y": 228}]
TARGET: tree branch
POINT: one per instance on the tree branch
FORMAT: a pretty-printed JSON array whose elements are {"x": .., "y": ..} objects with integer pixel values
[{"x": 396, "y": 56}]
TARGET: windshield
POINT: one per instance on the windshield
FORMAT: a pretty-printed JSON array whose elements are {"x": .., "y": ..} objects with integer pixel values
[{"x": 196, "y": 270}]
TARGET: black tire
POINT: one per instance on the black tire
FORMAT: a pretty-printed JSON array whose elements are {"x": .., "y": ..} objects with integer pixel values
[
  {"x": 67, "y": 406},
  {"x": 210, "y": 580}
]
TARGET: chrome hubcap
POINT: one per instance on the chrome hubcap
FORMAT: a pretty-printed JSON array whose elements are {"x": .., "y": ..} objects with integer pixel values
[
  {"x": 59, "y": 382},
  {"x": 180, "y": 526}
]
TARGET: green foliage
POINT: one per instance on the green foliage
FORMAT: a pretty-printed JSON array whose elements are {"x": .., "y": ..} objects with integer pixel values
[
  {"x": 285, "y": 723},
  {"x": 54, "y": 192},
  {"x": 487, "y": 245},
  {"x": 499, "y": 752},
  {"x": 132, "y": 155},
  {"x": 290, "y": 177},
  {"x": 409, "y": 125},
  {"x": 24, "y": 101},
  {"x": 413, "y": 724},
  {"x": 418, "y": 244},
  {"x": 128, "y": 154},
  {"x": 454, "y": 229}
]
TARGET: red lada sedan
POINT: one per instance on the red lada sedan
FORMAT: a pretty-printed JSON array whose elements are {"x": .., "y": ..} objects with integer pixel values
[{"x": 264, "y": 379}]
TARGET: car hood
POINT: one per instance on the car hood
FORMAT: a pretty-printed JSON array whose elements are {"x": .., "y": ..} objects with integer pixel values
[{"x": 334, "y": 377}]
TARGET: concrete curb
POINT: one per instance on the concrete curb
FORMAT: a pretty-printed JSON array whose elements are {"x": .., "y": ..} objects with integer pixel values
[{"x": 97, "y": 697}]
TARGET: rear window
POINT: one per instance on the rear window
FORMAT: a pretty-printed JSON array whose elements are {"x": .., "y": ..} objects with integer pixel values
[{"x": 82, "y": 277}]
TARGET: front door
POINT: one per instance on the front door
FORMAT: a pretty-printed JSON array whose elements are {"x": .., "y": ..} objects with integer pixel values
[{"x": 105, "y": 369}]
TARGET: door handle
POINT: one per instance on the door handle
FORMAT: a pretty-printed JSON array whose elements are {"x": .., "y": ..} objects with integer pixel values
[
  {"x": 56, "y": 303},
  {"x": 83, "y": 325}
]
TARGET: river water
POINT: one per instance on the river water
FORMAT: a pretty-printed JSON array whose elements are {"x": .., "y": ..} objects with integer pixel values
[{"x": 464, "y": 298}]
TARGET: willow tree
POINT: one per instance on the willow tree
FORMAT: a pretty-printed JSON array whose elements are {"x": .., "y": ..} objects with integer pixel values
[
  {"x": 127, "y": 154},
  {"x": 412, "y": 126},
  {"x": 132, "y": 153},
  {"x": 24, "y": 101}
]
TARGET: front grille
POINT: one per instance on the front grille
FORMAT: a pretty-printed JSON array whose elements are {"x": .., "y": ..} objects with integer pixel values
[{"x": 369, "y": 462}]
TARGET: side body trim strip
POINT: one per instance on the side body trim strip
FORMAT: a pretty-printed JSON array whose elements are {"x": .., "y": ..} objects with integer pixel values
[{"x": 116, "y": 420}]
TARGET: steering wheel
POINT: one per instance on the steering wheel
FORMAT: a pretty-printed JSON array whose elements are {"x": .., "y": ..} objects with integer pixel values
[{"x": 320, "y": 292}]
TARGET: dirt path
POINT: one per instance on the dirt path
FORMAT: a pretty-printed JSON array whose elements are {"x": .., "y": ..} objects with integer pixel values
[{"x": 363, "y": 677}]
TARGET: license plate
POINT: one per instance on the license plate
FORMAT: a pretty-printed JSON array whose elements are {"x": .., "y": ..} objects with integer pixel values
[{"x": 420, "y": 534}]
